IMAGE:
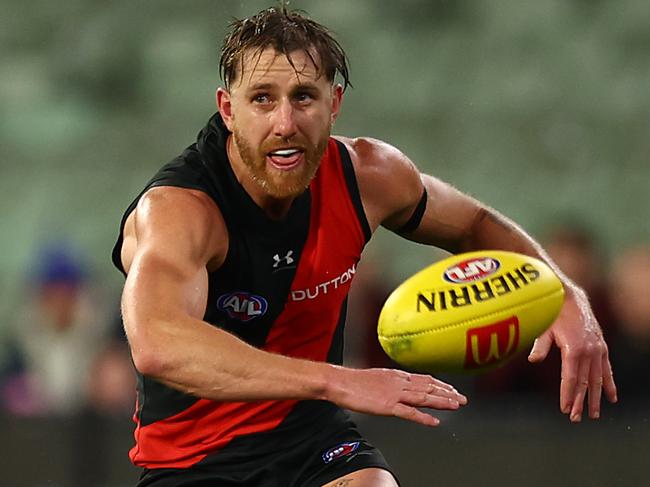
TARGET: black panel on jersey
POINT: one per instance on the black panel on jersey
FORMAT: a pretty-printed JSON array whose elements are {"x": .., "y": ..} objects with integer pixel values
[
  {"x": 353, "y": 189},
  {"x": 262, "y": 254},
  {"x": 186, "y": 171},
  {"x": 156, "y": 401},
  {"x": 335, "y": 353}
]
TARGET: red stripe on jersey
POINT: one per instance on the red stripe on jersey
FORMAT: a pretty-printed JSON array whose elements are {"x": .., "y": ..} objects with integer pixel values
[
  {"x": 304, "y": 329},
  {"x": 327, "y": 264}
]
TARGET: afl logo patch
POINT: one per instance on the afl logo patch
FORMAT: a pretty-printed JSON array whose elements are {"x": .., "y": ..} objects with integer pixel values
[
  {"x": 472, "y": 270},
  {"x": 242, "y": 306},
  {"x": 340, "y": 450}
]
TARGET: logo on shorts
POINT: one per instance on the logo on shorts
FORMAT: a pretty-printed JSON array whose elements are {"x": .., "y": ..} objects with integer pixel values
[
  {"x": 472, "y": 270},
  {"x": 340, "y": 450},
  {"x": 242, "y": 306}
]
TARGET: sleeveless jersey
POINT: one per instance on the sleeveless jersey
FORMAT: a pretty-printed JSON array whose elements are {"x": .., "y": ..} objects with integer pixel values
[{"x": 282, "y": 288}]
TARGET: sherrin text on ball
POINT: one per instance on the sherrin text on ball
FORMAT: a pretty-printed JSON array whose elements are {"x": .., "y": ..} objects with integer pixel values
[{"x": 470, "y": 312}]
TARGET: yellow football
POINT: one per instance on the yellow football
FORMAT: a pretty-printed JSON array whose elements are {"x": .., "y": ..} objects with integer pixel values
[{"x": 470, "y": 312}]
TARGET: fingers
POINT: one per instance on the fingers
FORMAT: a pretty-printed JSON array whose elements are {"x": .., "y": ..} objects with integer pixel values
[
  {"x": 424, "y": 400},
  {"x": 595, "y": 388},
  {"x": 568, "y": 383},
  {"x": 412, "y": 414},
  {"x": 541, "y": 347},
  {"x": 424, "y": 391},
  {"x": 580, "y": 390},
  {"x": 608, "y": 381},
  {"x": 425, "y": 381},
  {"x": 585, "y": 376},
  {"x": 425, "y": 387}
]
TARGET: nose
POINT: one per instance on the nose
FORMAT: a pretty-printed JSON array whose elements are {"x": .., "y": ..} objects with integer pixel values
[{"x": 284, "y": 123}]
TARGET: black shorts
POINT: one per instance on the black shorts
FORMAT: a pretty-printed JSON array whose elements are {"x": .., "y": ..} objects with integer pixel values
[{"x": 329, "y": 448}]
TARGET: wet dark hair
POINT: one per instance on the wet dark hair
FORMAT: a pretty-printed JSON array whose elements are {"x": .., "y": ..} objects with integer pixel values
[{"x": 285, "y": 31}]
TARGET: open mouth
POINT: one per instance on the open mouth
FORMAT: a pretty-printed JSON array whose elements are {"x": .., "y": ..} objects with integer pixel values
[{"x": 285, "y": 159}]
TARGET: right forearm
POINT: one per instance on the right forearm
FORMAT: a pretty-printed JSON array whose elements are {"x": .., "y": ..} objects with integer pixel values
[{"x": 205, "y": 361}]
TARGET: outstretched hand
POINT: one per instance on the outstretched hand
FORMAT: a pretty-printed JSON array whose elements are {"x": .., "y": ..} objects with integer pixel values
[
  {"x": 389, "y": 392},
  {"x": 586, "y": 370}
]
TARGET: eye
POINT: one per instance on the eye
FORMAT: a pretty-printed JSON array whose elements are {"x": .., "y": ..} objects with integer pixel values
[
  {"x": 261, "y": 98},
  {"x": 303, "y": 97}
]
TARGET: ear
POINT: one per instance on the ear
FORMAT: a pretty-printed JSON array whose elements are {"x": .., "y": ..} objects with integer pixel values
[
  {"x": 337, "y": 100},
  {"x": 224, "y": 106}
]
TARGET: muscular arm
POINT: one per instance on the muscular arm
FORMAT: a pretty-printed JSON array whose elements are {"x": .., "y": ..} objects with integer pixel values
[
  {"x": 171, "y": 241},
  {"x": 391, "y": 187}
]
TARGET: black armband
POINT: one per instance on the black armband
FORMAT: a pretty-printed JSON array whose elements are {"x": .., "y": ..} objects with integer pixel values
[{"x": 414, "y": 222}]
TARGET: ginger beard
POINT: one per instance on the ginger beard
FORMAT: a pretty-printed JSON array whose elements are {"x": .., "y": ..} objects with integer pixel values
[{"x": 281, "y": 183}]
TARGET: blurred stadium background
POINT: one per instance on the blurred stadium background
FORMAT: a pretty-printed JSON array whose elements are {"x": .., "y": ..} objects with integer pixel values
[{"x": 539, "y": 108}]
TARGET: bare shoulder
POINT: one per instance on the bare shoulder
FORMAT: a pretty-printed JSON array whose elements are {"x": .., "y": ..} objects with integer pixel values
[
  {"x": 389, "y": 182},
  {"x": 376, "y": 158},
  {"x": 176, "y": 220}
]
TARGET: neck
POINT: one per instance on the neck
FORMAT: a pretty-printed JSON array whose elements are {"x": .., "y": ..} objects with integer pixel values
[{"x": 274, "y": 208}]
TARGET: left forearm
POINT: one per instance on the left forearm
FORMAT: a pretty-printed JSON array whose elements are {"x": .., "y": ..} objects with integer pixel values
[
  {"x": 491, "y": 230},
  {"x": 458, "y": 223}
]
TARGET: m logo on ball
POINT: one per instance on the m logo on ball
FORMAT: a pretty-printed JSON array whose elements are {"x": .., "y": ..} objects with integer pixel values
[{"x": 487, "y": 345}]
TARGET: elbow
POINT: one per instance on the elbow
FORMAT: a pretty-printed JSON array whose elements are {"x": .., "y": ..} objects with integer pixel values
[
  {"x": 147, "y": 361},
  {"x": 146, "y": 352}
]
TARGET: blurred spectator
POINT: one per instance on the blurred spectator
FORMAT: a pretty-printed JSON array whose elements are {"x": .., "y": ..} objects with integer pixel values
[
  {"x": 111, "y": 385},
  {"x": 630, "y": 298},
  {"x": 575, "y": 250},
  {"x": 55, "y": 338}
]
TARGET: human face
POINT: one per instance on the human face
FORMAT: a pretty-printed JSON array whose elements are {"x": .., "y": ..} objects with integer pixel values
[{"x": 280, "y": 117}]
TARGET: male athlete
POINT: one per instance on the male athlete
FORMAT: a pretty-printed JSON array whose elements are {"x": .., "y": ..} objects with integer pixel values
[{"x": 239, "y": 256}]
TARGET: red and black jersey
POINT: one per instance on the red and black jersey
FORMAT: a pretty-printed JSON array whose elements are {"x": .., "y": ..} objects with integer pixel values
[{"x": 282, "y": 288}]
